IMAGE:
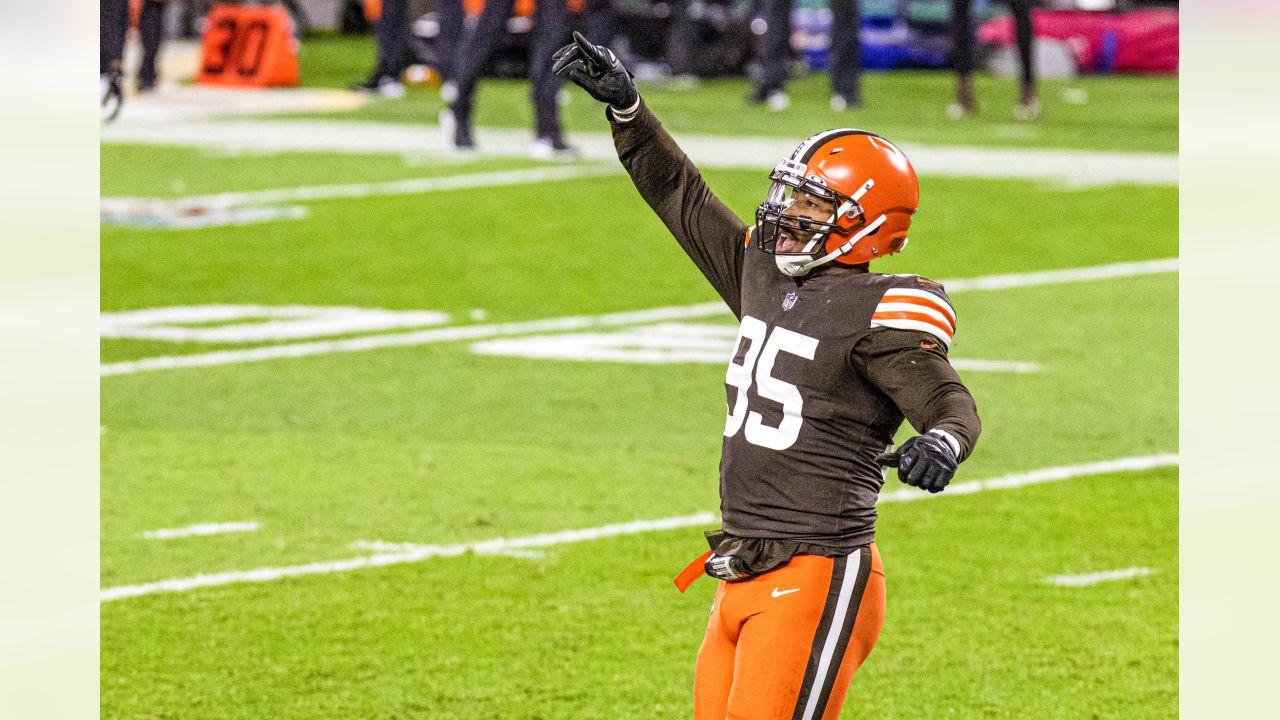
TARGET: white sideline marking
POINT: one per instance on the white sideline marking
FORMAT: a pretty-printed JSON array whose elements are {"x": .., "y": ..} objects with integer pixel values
[
  {"x": 270, "y": 322},
  {"x": 417, "y": 553},
  {"x": 412, "y": 186},
  {"x": 1075, "y": 168},
  {"x": 578, "y": 322},
  {"x": 666, "y": 343},
  {"x": 385, "y": 547},
  {"x": 1036, "y": 477},
  {"x": 1056, "y": 277},
  {"x": 201, "y": 529},
  {"x": 1098, "y": 577}
]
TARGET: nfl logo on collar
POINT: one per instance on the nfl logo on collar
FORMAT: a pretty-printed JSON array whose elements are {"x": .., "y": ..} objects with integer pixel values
[{"x": 789, "y": 301}]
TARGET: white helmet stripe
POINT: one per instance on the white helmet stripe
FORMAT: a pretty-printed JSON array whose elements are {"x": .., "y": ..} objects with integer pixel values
[{"x": 819, "y": 138}]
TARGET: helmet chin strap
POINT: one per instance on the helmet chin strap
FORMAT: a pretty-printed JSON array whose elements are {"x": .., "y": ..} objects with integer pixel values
[{"x": 798, "y": 267}]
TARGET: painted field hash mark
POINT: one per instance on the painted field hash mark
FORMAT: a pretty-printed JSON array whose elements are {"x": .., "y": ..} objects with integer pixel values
[
  {"x": 1098, "y": 577},
  {"x": 202, "y": 529},
  {"x": 583, "y": 322},
  {"x": 398, "y": 554}
]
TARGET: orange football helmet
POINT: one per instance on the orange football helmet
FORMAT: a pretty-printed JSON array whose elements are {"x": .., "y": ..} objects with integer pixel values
[{"x": 873, "y": 191}]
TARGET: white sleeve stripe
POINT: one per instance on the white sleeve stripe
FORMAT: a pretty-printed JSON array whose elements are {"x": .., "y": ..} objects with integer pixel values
[
  {"x": 924, "y": 298},
  {"x": 933, "y": 330},
  {"x": 943, "y": 305},
  {"x": 951, "y": 440},
  {"x": 912, "y": 307},
  {"x": 626, "y": 114}
]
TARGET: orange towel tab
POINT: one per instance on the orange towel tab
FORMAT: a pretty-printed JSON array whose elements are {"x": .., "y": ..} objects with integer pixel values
[{"x": 692, "y": 571}]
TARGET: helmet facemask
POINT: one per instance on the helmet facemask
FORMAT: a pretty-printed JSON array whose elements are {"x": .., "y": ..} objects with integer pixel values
[{"x": 842, "y": 215}]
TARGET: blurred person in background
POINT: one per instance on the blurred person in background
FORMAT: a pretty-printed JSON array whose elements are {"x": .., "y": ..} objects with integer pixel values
[
  {"x": 962, "y": 23},
  {"x": 114, "y": 16},
  {"x": 597, "y": 20},
  {"x": 113, "y": 23},
  {"x": 775, "y": 54},
  {"x": 682, "y": 42},
  {"x": 452, "y": 17},
  {"x": 151, "y": 31},
  {"x": 550, "y": 28},
  {"x": 393, "y": 30}
]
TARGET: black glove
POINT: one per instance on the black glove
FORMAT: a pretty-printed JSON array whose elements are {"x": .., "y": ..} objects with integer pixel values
[
  {"x": 596, "y": 69},
  {"x": 925, "y": 461}
]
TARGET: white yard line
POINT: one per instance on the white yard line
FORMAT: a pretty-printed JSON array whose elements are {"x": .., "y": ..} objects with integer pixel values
[
  {"x": 1070, "y": 275},
  {"x": 398, "y": 554},
  {"x": 415, "y": 553},
  {"x": 578, "y": 322},
  {"x": 411, "y": 186},
  {"x": 667, "y": 343},
  {"x": 418, "y": 337},
  {"x": 381, "y": 546},
  {"x": 997, "y": 366},
  {"x": 1098, "y": 577},
  {"x": 1075, "y": 168},
  {"x": 201, "y": 529},
  {"x": 1036, "y": 477}
]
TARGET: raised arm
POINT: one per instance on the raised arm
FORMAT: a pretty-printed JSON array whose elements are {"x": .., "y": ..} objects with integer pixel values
[{"x": 710, "y": 233}]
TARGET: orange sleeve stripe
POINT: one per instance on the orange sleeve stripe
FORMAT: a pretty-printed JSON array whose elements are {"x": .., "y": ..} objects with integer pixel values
[
  {"x": 918, "y": 317},
  {"x": 908, "y": 300},
  {"x": 938, "y": 305}
]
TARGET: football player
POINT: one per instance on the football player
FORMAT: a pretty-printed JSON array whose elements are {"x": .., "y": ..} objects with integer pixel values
[{"x": 829, "y": 359}]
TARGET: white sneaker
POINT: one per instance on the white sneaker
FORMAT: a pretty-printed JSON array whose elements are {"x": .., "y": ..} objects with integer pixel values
[
  {"x": 778, "y": 100},
  {"x": 447, "y": 126},
  {"x": 1027, "y": 112},
  {"x": 390, "y": 89},
  {"x": 544, "y": 149}
]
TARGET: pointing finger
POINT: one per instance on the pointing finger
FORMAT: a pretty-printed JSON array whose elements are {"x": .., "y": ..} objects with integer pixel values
[{"x": 592, "y": 53}]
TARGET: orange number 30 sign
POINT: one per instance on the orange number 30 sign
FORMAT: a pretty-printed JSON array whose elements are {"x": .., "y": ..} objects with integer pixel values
[{"x": 247, "y": 47}]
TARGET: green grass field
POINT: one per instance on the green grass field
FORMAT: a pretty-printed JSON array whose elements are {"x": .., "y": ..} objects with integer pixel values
[{"x": 434, "y": 444}]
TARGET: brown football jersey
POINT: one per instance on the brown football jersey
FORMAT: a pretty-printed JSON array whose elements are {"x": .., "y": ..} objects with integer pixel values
[{"x": 825, "y": 369}]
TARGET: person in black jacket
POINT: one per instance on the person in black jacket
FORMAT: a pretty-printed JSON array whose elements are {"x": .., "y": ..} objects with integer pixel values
[
  {"x": 550, "y": 28},
  {"x": 962, "y": 24}
]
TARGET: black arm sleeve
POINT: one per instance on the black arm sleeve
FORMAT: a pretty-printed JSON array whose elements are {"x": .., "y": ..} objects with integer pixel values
[
  {"x": 712, "y": 236},
  {"x": 912, "y": 368}
]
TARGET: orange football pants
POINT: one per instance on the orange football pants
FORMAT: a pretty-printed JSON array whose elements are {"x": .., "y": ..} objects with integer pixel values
[{"x": 784, "y": 645}]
